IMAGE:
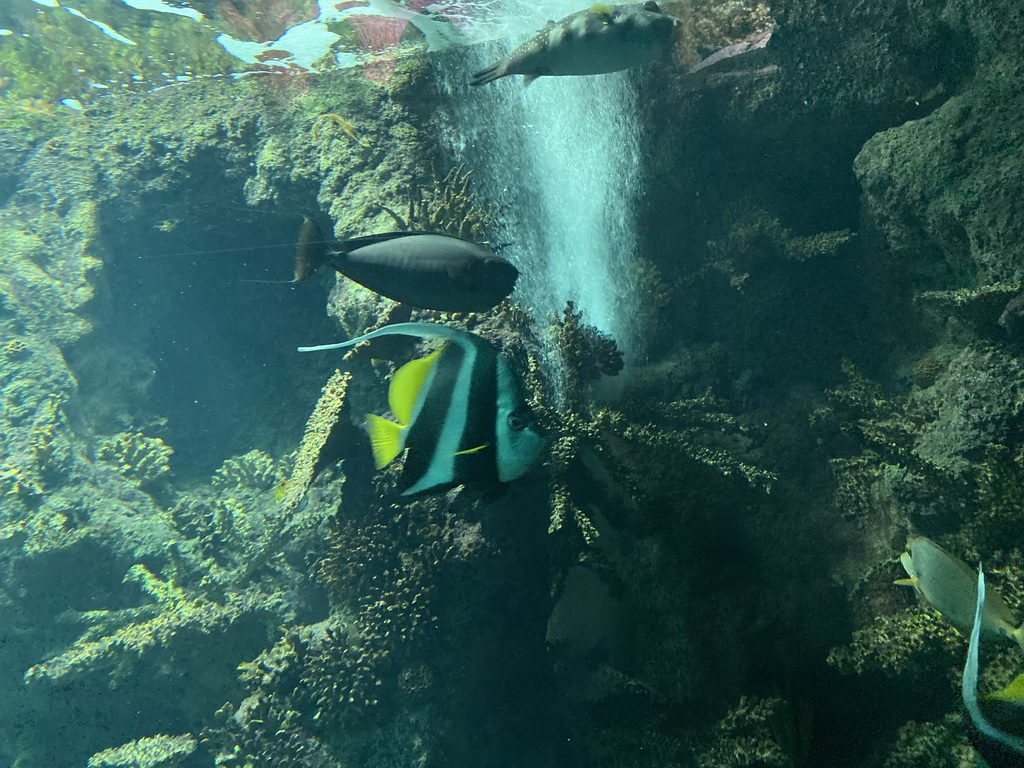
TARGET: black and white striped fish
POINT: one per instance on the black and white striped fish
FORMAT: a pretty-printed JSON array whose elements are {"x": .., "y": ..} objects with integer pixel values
[{"x": 459, "y": 413}]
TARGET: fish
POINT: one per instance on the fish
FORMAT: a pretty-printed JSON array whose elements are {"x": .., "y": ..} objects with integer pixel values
[
  {"x": 459, "y": 411},
  {"x": 948, "y": 584},
  {"x": 998, "y": 748},
  {"x": 603, "y": 38},
  {"x": 423, "y": 269}
]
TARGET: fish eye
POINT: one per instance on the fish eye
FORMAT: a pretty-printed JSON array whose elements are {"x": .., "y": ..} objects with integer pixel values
[{"x": 516, "y": 422}]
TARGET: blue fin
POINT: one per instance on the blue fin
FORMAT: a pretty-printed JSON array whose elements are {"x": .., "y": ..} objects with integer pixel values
[{"x": 419, "y": 330}]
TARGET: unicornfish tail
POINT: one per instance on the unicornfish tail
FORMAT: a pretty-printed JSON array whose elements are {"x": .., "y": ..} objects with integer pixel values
[{"x": 310, "y": 250}]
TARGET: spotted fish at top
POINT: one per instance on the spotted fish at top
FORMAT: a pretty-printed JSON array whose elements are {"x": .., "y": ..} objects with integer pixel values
[{"x": 603, "y": 38}]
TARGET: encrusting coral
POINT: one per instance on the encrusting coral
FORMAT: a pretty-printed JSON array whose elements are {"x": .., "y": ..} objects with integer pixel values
[{"x": 150, "y": 752}]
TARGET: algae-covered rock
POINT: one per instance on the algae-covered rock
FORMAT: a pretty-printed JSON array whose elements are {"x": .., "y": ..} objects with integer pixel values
[{"x": 942, "y": 189}]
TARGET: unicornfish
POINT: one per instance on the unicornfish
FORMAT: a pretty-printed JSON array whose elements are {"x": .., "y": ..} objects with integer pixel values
[
  {"x": 998, "y": 747},
  {"x": 459, "y": 414},
  {"x": 950, "y": 587},
  {"x": 603, "y": 38},
  {"x": 425, "y": 270}
]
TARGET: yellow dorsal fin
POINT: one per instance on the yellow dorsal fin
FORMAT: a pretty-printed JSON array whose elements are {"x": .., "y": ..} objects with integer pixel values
[
  {"x": 1018, "y": 637},
  {"x": 406, "y": 385},
  {"x": 385, "y": 438},
  {"x": 1012, "y": 694},
  {"x": 603, "y": 9}
]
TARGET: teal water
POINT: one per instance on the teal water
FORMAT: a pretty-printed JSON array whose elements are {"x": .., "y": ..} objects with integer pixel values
[{"x": 809, "y": 255}]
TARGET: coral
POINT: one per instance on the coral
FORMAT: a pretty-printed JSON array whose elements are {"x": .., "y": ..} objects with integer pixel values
[
  {"x": 151, "y": 752},
  {"x": 932, "y": 745},
  {"x": 137, "y": 457},
  {"x": 910, "y": 642},
  {"x": 448, "y": 207},
  {"x": 176, "y": 611},
  {"x": 982, "y": 307},
  {"x": 385, "y": 566},
  {"x": 262, "y": 733},
  {"x": 319, "y": 428},
  {"x": 746, "y": 737},
  {"x": 15, "y": 349},
  {"x": 755, "y": 234},
  {"x": 15, "y": 481},
  {"x": 43, "y": 530},
  {"x": 256, "y": 470},
  {"x": 926, "y": 372},
  {"x": 621, "y": 448}
]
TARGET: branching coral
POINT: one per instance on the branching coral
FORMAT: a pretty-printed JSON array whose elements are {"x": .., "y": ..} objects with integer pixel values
[
  {"x": 176, "y": 611},
  {"x": 137, "y": 457},
  {"x": 617, "y": 445},
  {"x": 256, "y": 470},
  {"x": 448, "y": 207}
]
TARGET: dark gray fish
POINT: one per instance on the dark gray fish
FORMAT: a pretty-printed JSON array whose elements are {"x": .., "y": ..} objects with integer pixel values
[
  {"x": 417, "y": 268},
  {"x": 603, "y": 38},
  {"x": 459, "y": 413}
]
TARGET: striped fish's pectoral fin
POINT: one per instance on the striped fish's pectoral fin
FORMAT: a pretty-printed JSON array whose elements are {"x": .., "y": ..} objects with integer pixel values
[
  {"x": 475, "y": 449},
  {"x": 385, "y": 439},
  {"x": 406, "y": 385}
]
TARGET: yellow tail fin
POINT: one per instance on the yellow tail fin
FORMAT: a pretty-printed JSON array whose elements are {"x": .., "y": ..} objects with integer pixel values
[{"x": 385, "y": 438}]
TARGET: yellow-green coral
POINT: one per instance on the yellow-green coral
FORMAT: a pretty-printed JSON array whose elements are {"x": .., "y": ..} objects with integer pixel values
[
  {"x": 152, "y": 752},
  {"x": 177, "y": 611},
  {"x": 318, "y": 429},
  {"x": 256, "y": 470},
  {"x": 15, "y": 481},
  {"x": 747, "y": 736},
  {"x": 137, "y": 457},
  {"x": 932, "y": 745},
  {"x": 911, "y": 641},
  {"x": 15, "y": 349}
]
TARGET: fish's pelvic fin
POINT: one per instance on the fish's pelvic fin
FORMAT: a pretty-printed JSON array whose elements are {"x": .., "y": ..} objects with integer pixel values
[
  {"x": 406, "y": 385},
  {"x": 475, "y": 449},
  {"x": 385, "y": 439},
  {"x": 527, "y": 79},
  {"x": 906, "y": 582}
]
